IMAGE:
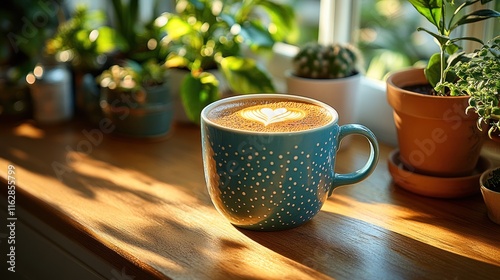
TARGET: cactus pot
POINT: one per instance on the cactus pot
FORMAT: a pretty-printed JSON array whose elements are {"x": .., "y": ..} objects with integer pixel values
[
  {"x": 435, "y": 136},
  {"x": 144, "y": 114},
  {"x": 339, "y": 93}
]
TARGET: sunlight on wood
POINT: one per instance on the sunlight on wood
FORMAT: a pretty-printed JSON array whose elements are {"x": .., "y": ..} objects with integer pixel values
[
  {"x": 29, "y": 130},
  {"x": 144, "y": 234},
  {"x": 126, "y": 178},
  {"x": 148, "y": 203},
  {"x": 417, "y": 225},
  {"x": 20, "y": 154}
]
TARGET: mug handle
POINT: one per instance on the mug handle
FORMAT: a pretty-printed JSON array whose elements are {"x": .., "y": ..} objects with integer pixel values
[{"x": 367, "y": 169}]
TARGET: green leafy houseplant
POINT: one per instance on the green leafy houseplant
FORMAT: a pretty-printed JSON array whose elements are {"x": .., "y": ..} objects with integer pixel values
[
  {"x": 479, "y": 77},
  {"x": 133, "y": 76},
  {"x": 430, "y": 141},
  {"x": 25, "y": 25},
  {"x": 207, "y": 35},
  {"x": 135, "y": 97},
  {"x": 141, "y": 41},
  {"x": 88, "y": 45},
  {"x": 84, "y": 40},
  {"x": 446, "y": 16},
  {"x": 317, "y": 61}
]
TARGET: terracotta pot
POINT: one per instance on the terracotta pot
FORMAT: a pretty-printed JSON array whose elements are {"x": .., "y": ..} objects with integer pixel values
[
  {"x": 435, "y": 135},
  {"x": 491, "y": 198}
]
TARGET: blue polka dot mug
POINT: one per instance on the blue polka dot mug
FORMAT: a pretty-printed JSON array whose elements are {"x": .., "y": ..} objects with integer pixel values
[{"x": 269, "y": 158}]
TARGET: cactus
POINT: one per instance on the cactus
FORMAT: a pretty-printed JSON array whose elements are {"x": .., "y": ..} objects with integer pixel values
[{"x": 318, "y": 61}]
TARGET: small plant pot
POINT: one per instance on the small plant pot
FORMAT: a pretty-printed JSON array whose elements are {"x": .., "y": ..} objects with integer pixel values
[
  {"x": 52, "y": 94},
  {"x": 435, "y": 135},
  {"x": 339, "y": 93},
  {"x": 491, "y": 197},
  {"x": 87, "y": 96},
  {"x": 144, "y": 114}
]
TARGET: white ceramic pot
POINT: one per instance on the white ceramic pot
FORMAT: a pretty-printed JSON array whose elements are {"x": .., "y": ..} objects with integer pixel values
[
  {"x": 51, "y": 93},
  {"x": 341, "y": 93}
]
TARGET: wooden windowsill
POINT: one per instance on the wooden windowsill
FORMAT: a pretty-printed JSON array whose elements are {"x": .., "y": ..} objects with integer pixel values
[{"x": 142, "y": 207}]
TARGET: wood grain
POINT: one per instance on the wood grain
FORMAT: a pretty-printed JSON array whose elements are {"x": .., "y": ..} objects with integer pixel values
[{"x": 144, "y": 205}]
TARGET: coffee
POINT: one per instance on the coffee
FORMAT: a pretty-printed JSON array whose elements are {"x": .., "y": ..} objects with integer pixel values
[{"x": 270, "y": 115}]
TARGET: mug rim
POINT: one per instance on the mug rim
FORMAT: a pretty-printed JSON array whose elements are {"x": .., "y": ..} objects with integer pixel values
[{"x": 210, "y": 106}]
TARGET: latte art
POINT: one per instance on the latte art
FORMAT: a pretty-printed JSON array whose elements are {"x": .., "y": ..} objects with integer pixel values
[{"x": 268, "y": 116}]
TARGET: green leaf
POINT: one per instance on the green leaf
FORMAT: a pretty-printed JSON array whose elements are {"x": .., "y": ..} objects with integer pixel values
[
  {"x": 456, "y": 57},
  {"x": 476, "y": 16},
  {"x": 440, "y": 38},
  {"x": 452, "y": 48},
  {"x": 197, "y": 92},
  {"x": 176, "y": 27},
  {"x": 282, "y": 16},
  {"x": 430, "y": 9},
  {"x": 108, "y": 40},
  {"x": 256, "y": 36},
  {"x": 244, "y": 76},
  {"x": 495, "y": 111},
  {"x": 433, "y": 70}
]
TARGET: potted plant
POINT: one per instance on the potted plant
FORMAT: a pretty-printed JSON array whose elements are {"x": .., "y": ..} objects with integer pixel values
[
  {"x": 141, "y": 39},
  {"x": 134, "y": 90},
  {"x": 25, "y": 27},
  {"x": 479, "y": 77},
  {"x": 50, "y": 87},
  {"x": 436, "y": 137},
  {"x": 136, "y": 98},
  {"x": 490, "y": 189},
  {"x": 329, "y": 73},
  {"x": 210, "y": 41},
  {"x": 85, "y": 43}
]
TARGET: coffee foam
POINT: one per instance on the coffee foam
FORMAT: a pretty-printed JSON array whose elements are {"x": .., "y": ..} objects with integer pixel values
[{"x": 269, "y": 115}]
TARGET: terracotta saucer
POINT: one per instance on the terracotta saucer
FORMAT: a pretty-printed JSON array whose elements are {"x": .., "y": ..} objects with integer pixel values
[{"x": 439, "y": 187}]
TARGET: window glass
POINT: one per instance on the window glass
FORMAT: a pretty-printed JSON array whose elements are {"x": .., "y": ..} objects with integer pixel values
[
  {"x": 388, "y": 37},
  {"x": 307, "y": 17},
  {"x": 496, "y": 27}
]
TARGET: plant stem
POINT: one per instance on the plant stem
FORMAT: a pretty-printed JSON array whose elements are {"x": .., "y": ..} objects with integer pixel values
[
  {"x": 442, "y": 49},
  {"x": 442, "y": 79}
]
